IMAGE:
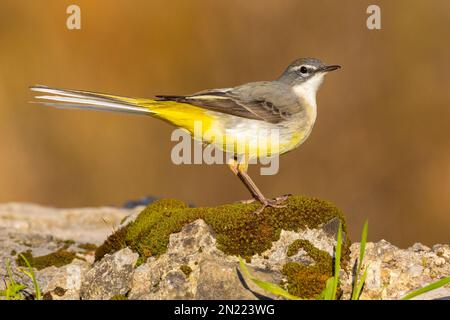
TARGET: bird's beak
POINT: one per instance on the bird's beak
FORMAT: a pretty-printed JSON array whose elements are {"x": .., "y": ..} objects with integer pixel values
[{"x": 330, "y": 68}]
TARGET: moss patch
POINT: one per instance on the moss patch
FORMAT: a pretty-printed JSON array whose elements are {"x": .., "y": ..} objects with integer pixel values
[
  {"x": 58, "y": 259},
  {"x": 65, "y": 244},
  {"x": 320, "y": 257},
  {"x": 59, "y": 291},
  {"x": 308, "y": 281},
  {"x": 119, "y": 297},
  {"x": 238, "y": 230},
  {"x": 87, "y": 247},
  {"x": 186, "y": 270},
  {"x": 47, "y": 296}
]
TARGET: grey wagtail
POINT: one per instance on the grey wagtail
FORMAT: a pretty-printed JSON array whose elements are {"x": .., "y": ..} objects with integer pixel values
[{"x": 238, "y": 114}]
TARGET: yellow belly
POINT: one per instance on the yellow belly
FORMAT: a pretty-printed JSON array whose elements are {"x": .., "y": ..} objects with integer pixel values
[{"x": 236, "y": 135}]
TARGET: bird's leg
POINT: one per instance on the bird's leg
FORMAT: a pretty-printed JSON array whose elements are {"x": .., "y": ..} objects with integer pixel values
[{"x": 240, "y": 170}]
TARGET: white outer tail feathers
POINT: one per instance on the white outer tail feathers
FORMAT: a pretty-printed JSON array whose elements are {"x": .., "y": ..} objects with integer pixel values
[{"x": 74, "y": 99}]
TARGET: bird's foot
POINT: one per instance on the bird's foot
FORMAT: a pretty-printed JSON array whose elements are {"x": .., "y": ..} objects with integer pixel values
[
  {"x": 277, "y": 199},
  {"x": 273, "y": 203}
]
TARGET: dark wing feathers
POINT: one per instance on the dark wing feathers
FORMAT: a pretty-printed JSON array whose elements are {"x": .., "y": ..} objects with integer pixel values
[{"x": 267, "y": 101}]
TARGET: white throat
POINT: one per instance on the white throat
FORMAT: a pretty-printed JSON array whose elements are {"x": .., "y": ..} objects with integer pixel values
[{"x": 307, "y": 90}]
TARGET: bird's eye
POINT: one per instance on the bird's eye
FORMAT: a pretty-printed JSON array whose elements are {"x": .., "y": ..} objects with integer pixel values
[{"x": 304, "y": 70}]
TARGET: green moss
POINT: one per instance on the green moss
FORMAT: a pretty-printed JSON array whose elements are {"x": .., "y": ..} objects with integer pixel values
[
  {"x": 113, "y": 243},
  {"x": 186, "y": 270},
  {"x": 66, "y": 243},
  {"x": 59, "y": 291},
  {"x": 424, "y": 262},
  {"x": 123, "y": 219},
  {"x": 47, "y": 296},
  {"x": 87, "y": 246},
  {"x": 307, "y": 281},
  {"x": 238, "y": 230},
  {"x": 119, "y": 297},
  {"x": 58, "y": 259},
  {"x": 320, "y": 257},
  {"x": 294, "y": 248}
]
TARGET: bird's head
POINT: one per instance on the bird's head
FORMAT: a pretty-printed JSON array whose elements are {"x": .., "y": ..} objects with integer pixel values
[{"x": 306, "y": 72}]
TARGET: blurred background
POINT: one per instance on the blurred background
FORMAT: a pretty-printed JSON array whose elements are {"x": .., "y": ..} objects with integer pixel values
[{"x": 380, "y": 148}]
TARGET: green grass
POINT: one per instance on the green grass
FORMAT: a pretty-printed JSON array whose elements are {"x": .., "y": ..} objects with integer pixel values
[
  {"x": 266, "y": 286},
  {"x": 330, "y": 292},
  {"x": 13, "y": 290},
  {"x": 30, "y": 273},
  {"x": 337, "y": 263},
  {"x": 428, "y": 288},
  {"x": 16, "y": 291},
  {"x": 358, "y": 284}
]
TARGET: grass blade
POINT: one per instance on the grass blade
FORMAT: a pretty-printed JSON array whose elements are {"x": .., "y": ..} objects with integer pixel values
[
  {"x": 266, "y": 286},
  {"x": 13, "y": 290},
  {"x": 327, "y": 293},
  {"x": 362, "y": 247},
  {"x": 31, "y": 274},
  {"x": 362, "y": 250},
  {"x": 432, "y": 286},
  {"x": 337, "y": 262},
  {"x": 11, "y": 282},
  {"x": 360, "y": 285}
]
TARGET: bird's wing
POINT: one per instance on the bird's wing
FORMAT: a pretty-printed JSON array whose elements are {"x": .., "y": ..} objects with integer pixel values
[{"x": 272, "y": 102}]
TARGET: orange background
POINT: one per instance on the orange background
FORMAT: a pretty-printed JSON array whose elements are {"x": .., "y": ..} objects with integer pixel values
[{"x": 380, "y": 148}]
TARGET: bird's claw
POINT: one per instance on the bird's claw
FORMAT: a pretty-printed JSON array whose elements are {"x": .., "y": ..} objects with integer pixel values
[{"x": 273, "y": 203}]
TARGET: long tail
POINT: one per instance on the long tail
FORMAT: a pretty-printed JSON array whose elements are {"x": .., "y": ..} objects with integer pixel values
[
  {"x": 176, "y": 113},
  {"x": 76, "y": 99}
]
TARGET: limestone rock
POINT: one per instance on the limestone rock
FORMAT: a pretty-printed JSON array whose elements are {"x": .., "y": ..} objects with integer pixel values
[
  {"x": 192, "y": 267},
  {"x": 78, "y": 224},
  {"x": 214, "y": 275},
  {"x": 109, "y": 277},
  {"x": 66, "y": 279},
  {"x": 63, "y": 283},
  {"x": 394, "y": 272}
]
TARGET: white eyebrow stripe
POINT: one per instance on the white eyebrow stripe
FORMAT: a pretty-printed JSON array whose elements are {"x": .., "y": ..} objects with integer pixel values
[{"x": 304, "y": 65}]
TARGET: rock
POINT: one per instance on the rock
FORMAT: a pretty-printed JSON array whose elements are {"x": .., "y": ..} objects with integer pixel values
[
  {"x": 172, "y": 233},
  {"x": 90, "y": 225},
  {"x": 213, "y": 274},
  {"x": 277, "y": 255},
  {"x": 193, "y": 253},
  {"x": 395, "y": 272},
  {"x": 63, "y": 283},
  {"x": 43, "y": 232},
  {"x": 67, "y": 276},
  {"x": 109, "y": 277}
]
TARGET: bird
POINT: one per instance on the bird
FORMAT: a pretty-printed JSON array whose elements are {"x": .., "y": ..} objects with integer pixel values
[{"x": 238, "y": 114}]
